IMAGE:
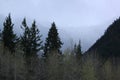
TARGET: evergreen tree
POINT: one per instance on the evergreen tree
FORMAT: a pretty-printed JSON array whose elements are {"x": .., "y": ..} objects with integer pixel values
[
  {"x": 36, "y": 43},
  {"x": 8, "y": 36},
  {"x": 77, "y": 50},
  {"x": 53, "y": 41},
  {"x": 31, "y": 40},
  {"x": 0, "y": 34},
  {"x": 25, "y": 38}
]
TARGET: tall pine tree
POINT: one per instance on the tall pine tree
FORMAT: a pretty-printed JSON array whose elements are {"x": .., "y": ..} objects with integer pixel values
[
  {"x": 53, "y": 42},
  {"x": 0, "y": 34},
  {"x": 25, "y": 38},
  {"x": 36, "y": 42},
  {"x": 77, "y": 50},
  {"x": 31, "y": 43},
  {"x": 31, "y": 39},
  {"x": 8, "y": 36}
]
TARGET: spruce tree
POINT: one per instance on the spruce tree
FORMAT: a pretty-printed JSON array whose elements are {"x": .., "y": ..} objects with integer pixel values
[
  {"x": 31, "y": 39},
  {"x": 53, "y": 42},
  {"x": 36, "y": 42},
  {"x": 77, "y": 50},
  {"x": 8, "y": 36},
  {"x": 25, "y": 39},
  {"x": 0, "y": 34}
]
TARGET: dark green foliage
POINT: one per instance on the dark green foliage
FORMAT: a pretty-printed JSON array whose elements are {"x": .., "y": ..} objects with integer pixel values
[
  {"x": 0, "y": 34},
  {"x": 109, "y": 44},
  {"x": 77, "y": 50},
  {"x": 8, "y": 36},
  {"x": 53, "y": 41},
  {"x": 25, "y": 39},
  {"x": 36, "y": 42},
  {"x": 31, "y": 40},
  {"x": 57, "y": 67}
]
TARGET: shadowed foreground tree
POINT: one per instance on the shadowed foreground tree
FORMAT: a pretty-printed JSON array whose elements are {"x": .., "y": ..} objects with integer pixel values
[{"x": 88, "y": 69}]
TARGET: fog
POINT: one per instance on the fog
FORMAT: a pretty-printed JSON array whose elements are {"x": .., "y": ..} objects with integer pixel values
[{"x": 84, "y": 20}]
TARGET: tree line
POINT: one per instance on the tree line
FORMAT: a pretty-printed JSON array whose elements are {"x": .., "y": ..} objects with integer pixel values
[
  {"x": 30, "y": 41},
  {"x": 19, "y": 59},
  {"x": 23, "y": 51}
]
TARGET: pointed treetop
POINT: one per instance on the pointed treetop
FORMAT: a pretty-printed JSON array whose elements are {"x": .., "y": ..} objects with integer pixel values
[{"x": 24, "y": 22}]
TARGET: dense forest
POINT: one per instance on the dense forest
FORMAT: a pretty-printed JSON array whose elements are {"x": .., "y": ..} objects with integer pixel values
[
  {"x": 109, "y": 44},
  {"x": 26, "y": 57}
]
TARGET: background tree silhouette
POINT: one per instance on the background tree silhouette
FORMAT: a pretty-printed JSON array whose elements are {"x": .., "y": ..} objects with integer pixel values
[
  {"x": 36, "y": 42},
  {"x": 25, "y": 39},
  {"x": 8, "y": 36},
  {"x": 53, "y": 41},
  {"x": 77, "y": 50},
  {"x": 31, "y": 39}
]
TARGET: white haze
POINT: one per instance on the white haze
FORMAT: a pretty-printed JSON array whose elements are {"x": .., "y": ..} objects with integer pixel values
[{"x": 77, "y": 19}]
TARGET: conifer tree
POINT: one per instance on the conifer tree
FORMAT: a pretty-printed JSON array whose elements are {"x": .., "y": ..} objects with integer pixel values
[
  {"x": 53, "y": 41},
  {"x": 36, "y": 42},
  {"x": 77, "y": 50},
  {"x": 25, "y": 38},
  {"x": 0, "y": 34},
  {"x": 31, "y": 39},
  {"x": 8, "y": 36}
]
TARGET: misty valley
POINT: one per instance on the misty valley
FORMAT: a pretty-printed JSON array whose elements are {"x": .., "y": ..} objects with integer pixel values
[{"x": 28, "y": 57}]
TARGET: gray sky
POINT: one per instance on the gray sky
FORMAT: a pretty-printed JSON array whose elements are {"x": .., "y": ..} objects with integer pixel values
[{"x": 81, "y": 19}]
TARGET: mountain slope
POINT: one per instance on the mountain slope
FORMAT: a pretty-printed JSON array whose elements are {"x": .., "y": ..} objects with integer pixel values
[{"x": 109, "y": 43}]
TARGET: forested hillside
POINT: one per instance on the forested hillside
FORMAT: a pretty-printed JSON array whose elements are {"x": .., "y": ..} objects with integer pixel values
[
  {"x": 19, "y": 59},
  {"x": 109, "y": 44}
]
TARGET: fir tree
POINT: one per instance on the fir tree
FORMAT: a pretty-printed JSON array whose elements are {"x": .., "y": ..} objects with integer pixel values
[
  {"x": 25, "y": 38},
  {"x": 0, "y": 34},
  {"x": 31, "y": 39},
  {"x": 8, "y": 36},
  {"x": 77, "y": 50},
  {"x": 53, "y": 41},
  {"x": 36, "y": 42}
]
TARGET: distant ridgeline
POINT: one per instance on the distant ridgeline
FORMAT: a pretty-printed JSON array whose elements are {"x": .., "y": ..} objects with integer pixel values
[{"x": 109, "y": 44}]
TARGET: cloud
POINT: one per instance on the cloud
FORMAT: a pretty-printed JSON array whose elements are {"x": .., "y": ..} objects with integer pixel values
[{"x": 77, "y": 17}]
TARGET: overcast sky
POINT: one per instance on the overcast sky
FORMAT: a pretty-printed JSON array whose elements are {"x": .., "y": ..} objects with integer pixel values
[{"x": 81, "y": 19}]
